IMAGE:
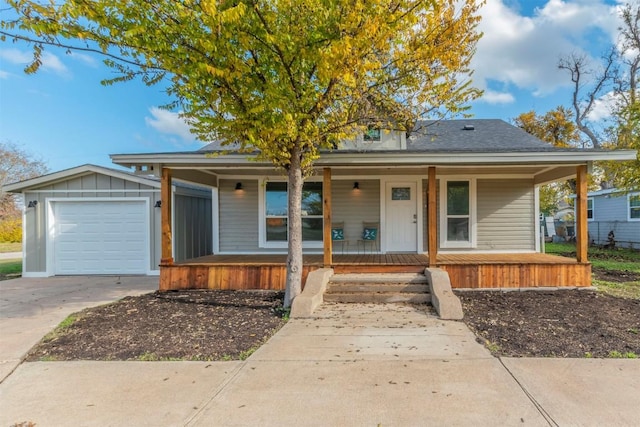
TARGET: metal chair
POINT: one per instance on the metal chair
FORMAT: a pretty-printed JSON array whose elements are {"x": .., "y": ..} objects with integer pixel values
[
  {"x": 370, "y": 231},
  {"x": 337, "y": 234}
]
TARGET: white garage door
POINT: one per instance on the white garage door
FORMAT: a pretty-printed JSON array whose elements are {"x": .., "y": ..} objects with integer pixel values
[{"x": 100, "y": 237}]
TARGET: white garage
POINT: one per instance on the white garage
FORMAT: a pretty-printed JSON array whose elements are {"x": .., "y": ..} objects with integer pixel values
[
  {"x": 99, "y": 236},
  {"x": 95, "y": 220}
]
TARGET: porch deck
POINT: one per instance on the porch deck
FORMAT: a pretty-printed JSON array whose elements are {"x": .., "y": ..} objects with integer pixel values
[{"x": 465, "y": 270}]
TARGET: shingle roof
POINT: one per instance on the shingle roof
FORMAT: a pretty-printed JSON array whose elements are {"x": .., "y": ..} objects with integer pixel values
[
  {"x": 473, "y": 135},
  {"x": 468, "y": 135}
]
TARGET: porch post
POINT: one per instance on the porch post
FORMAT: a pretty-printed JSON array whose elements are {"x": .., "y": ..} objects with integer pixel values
[
  {"x": 165, "y": 213},
  {"x": 582, "y": 239},
  {"x": 326, "y": 194},
  {"x": 432, "y": 217}
]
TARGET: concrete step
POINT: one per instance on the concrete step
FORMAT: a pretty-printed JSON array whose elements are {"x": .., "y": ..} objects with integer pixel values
[
  {"x": 349, "y": 287},
  {"x": 378, "y": 297},
  {"x": 404, "y": 278}
]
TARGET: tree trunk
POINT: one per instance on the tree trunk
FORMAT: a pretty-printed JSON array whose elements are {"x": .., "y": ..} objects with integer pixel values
[{"x": 294, "y": 257}]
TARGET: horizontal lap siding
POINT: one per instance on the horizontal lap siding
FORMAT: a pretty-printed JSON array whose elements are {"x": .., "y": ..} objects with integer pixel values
[
  {"x": 35, "y": 256},
  {"x": 353, "y": 207},
  {"x": 506, "y": 212},
  {"x": 238, "y": 216}
]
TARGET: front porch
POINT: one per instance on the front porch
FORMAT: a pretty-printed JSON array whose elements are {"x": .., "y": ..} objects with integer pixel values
[{"x": 525, "y": 270}]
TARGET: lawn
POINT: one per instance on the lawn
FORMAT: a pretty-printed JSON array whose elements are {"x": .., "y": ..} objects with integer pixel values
[
  {"x": 10, "y": 268},
  {"x": 615, "y": 271}
]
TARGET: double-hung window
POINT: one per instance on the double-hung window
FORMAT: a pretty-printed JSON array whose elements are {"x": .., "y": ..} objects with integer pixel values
[
  {"x": 457, "y": 223},
  {"x": 590, "y": 209},
  {"x": 276, "y": 213},
  {"x": 634, "y": 206}
]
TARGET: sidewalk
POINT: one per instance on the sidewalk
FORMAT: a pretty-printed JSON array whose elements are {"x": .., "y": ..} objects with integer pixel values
[{"x": 360, "y": 365}]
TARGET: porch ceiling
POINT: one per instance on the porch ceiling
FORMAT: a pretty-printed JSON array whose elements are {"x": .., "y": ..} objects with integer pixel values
[{"x": 209, "y": 175}]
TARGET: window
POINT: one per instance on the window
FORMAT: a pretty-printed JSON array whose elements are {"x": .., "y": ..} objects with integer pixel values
[
  {"x": 372, "y": 134},
  {"x": 590, "y": 209},
  {"x": 634, "y": 206},
  {"x": 457, "y": 204},
  {"x": 276, "y": 206}
]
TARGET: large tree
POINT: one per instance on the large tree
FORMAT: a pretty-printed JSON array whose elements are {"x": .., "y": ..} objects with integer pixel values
[
  {"x": 556, "y": 127},
  {"x": 16, "y": 164},
  {"x": 284, "y": 78},
  {"x": 613, "y": 81}
]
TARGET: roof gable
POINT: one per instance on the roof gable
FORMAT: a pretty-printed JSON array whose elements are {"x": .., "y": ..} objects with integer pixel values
[{"x": 63, "y": 175}]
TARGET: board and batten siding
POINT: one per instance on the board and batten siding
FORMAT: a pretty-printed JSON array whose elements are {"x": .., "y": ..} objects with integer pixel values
[
  {"x": 192, "y": 226},
  {"x": 80, "y": 187},
  {"x": 505, "y": 214}
]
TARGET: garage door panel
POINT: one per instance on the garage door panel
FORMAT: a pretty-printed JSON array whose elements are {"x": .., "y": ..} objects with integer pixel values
[{"x": 106, "y": 237}]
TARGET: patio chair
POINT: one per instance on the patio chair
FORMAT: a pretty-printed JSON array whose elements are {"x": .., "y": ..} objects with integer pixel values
[
  {"x": 337, "y": 235},
  {"x": 369, "y": 236}
]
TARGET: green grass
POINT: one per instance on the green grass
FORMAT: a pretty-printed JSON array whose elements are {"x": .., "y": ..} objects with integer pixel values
[
  {"x": 619, "y": 259},
  {"x": 10, "y": 247},
  {"x": 10, "y": 268}
]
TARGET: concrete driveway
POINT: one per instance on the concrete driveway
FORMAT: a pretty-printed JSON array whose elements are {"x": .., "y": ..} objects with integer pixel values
[
  {"x": 31, "y": 307},
  {"x": 351, "y": 364}
]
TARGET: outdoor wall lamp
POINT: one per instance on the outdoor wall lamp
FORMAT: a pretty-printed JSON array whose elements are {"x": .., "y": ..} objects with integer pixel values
[
  {"x": 158, "y": 204},
  {"x": 32, "y": 204},
  {"x": 356, "y": 185},
  {"x": 238, "y": 186}
]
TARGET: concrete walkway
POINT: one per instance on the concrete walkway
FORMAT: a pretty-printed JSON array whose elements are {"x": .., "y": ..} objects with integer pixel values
[
  {"x": 356, "y": 365},
  {"x": 11, "y": 255}
]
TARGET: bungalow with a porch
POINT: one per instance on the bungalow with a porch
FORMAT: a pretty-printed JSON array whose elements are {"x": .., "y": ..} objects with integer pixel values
[{"x": 461, "y": 195}]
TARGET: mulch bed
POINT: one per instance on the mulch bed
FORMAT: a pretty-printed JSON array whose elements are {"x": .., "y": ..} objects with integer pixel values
[
  {"x": 226, "y": 325},
  {"x": 571, "y": 323},
  {"x": 186, "y": 325}
]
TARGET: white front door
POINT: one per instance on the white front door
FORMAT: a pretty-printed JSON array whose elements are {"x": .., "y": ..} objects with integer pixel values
[{"x": 401, "y": 223}]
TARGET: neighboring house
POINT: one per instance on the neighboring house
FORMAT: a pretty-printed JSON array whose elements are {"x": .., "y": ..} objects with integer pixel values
[
  {"x": 617, "y": 212},
  {"x": 459, "y": 194},
  {"x": 97, "y": 220}
]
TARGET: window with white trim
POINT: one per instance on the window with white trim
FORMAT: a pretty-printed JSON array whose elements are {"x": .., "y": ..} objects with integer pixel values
[
  {"x": 276, "y": 212},
  {"x": 457, "y": 224},
  {"x": 590, "y": 209},
  {"x": 633, "y": 211}
]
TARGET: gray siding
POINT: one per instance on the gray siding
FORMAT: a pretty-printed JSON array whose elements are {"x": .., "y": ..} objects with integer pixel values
[
  {"x": 610, "y": 213},
  {"x": 505, "y": 214},
  {"x": 353, "y": 207},
  {"x": 192, "y": 226},
  {"x": 239, "y": 212},
  {"x": 238, "y": 216},
  {"x": 82, "y": 187}
]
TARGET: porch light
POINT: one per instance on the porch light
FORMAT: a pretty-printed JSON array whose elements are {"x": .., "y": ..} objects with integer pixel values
[
  {"x": 32, "y": 204},
  {"x": 158, "y": 204},
  {"x": 356, "y": 185},
  {"x": 238, "y": 186}
]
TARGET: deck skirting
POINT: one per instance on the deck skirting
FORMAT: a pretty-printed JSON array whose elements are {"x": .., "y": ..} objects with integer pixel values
[
  {"x": 481, "y": 271},
  {"x": 487, "y": 276}
]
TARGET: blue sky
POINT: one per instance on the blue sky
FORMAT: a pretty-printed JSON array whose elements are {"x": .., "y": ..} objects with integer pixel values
[{"x": 64, "y": 116}]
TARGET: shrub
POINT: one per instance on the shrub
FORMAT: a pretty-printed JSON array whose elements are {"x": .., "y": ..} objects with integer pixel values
[{"x": 11, "y": 230}]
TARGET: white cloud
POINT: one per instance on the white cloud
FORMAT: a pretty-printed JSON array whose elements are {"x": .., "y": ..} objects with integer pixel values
[
  {"x": 85, "y": 59},
  {"x": 492, "y": 97},
  {"x": 523, "y": 51},
  {"x": 50, "y": 62},
  {"x": 603, "y": 107},
  {"x": 4, "y": 74},
  {"x": 169, "y": 123}
]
